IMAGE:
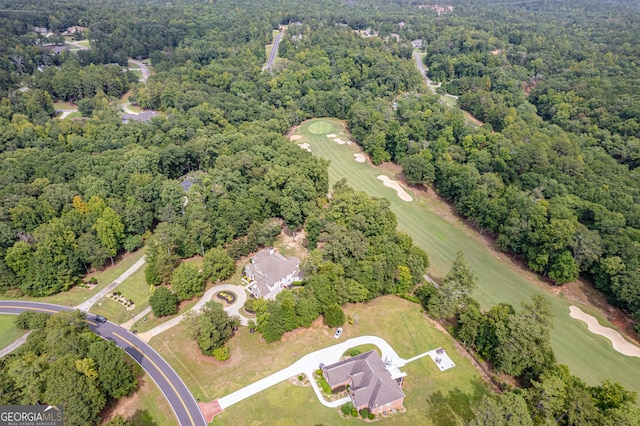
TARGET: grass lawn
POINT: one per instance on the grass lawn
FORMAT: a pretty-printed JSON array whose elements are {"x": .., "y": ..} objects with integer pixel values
[
  {"x": 8, "y": 331},
  {"x": 438, "y": 231},
  {"x": 136, "y": 71},
  {"x": 64, "y": 105},
  {"x": 148, "y": 406},
  {"x": 133, "y": 288},
  {"x": 134, "y": 108},
  {"x": 404, "y": 327},
  {"x": 77, "y": 295}
]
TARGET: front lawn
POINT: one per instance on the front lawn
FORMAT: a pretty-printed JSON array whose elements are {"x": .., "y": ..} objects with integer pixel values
[{"x": 404, "y": 326}]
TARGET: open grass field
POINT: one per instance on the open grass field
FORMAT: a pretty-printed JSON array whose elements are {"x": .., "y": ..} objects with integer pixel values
[
  {"x": 75, "y": 114},
  {"x": 64, "y": 105},
  {"x": 404, "y": 327},
  {"x": 133, "y": 288},
  {"x": 8, "y": 331},
  {"x": 78, "y": 295},
  {"x": 441, "y": 234}
]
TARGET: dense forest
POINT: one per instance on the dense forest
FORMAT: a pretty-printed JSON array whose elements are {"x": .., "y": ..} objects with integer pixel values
[{"x": 552, "y": 173}]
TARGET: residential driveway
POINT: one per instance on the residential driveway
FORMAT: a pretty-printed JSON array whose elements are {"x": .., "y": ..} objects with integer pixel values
[
  {"x": 310, "y": 363},
  {"x": 143, "y": 69},
  {"x": 87, "y": 304},
  {"x": 241, "y": 297}
]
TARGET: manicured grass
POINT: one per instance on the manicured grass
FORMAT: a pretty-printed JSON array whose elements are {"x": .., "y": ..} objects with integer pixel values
[
  {"x": 64, "y": 105},
  {"x": 137, "y": 72},
  {"x": 404, "y": 326},
  {"x": 134, "y": 108},
  {"x": 441, "y": 234},
  {"x": 77, "y": 295},
  {"x": 133, "y": 288},
  {"x": 8, "y": 331}
]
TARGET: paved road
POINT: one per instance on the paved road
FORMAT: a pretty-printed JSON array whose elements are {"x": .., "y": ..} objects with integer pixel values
[
  {"x": 143, "y": 69},
  {"x": 14, "y": 345},
  {"x": 423, "y": 71},
  {"x": 309, "y": 363},
  {"x": 274, "y": 51},
  {"x": 87, "y": 304},
  {"x": 182, "y": 402}
]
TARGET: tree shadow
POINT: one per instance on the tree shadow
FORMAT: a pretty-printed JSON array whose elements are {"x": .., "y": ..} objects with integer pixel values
[
  {"x": 455, "y": 406},
  {"x": 142, "y": 418}
]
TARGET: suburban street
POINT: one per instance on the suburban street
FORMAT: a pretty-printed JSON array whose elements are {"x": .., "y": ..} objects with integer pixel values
[
  {"x": 171, "y": 385},
  {"x": 274, "y": 51},
  {"x": 143, "y": 69}
]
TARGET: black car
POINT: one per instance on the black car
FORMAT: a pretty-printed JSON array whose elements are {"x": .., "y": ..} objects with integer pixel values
[{"x": 100, "y": 318}]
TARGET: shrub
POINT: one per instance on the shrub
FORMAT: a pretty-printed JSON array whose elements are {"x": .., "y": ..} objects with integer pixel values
[
  {"x": 364, "y": 413},
  {"x": 250, "y": 305},
  {"x": 163, "y": 302},
  {"x": 354, "y": 352},
  {"x": 300, "y": 378},
  {"x": 334, "y": 316},
  {"x": 93, "y": 280},
  {"x": 354, "y": 412},
  {"x": 347, "y": 408},
  {"x": 371, "y": 416},
  {"x": 221, "y": 354}
]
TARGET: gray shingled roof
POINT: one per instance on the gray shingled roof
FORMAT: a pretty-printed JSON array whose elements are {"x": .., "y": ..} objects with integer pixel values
[
  {"x": 144, "y": 116},
  {"x": 371, "y": 383},
  {"x": 268, "y": 268}
]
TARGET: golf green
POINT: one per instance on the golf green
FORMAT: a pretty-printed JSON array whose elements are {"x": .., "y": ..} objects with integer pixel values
[{"x": 589, "y": 356}]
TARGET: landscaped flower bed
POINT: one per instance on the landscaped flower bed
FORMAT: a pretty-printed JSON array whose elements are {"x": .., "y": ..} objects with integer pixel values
[
  {"x": 118, "y": 297},
  {"x": 227, "y": 296}
]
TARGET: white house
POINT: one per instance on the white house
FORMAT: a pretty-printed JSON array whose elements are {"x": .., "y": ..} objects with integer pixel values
[{"x": 269, "y": 272}]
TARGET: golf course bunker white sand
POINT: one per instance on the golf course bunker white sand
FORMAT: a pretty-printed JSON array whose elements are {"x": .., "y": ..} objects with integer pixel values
[
  {"x": 360, "y": 157},
  {"x": 619, "y": 344},
  {"x": 331, "y": 135},
  {"x": 295, "y": 137},
  {"x": 305, "y": 146},
  {"x": 387, "y": 181},
  {"x": 339, "y": 141}
]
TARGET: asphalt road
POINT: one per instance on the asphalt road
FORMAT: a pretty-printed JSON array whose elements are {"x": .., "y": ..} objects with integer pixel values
[
  {"x": 182, "y": 402},
  {"x": 274, "y": 51}
]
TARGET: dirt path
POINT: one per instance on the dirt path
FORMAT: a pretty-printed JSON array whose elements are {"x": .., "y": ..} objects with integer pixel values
[{"x": 618, "y": 342}]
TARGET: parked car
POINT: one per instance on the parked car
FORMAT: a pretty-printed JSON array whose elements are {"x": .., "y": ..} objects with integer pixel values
[
  {"x": 100, "y": 318},
  {"x": 338, "y": 333}
]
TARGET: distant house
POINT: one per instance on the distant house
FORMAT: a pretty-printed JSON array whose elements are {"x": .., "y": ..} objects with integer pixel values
[
  {"x": 41, "y": 31},
  {"x": 73, "y": 30},
  {"x": 269, "y": 272},
  {"x": 144, "y": 116},
  {"x": 369, "y": 383},
  {"x": 417, "y": 43},
  {"x": 56, "y": 48}
]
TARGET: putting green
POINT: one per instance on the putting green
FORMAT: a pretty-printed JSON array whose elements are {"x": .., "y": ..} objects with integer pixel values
[
  {"x": 321, "y": 127},
  {"x": 589, "y": 356}
]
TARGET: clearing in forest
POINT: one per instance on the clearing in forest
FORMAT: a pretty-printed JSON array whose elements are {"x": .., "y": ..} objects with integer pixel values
[{"x": 437, "y": 229}]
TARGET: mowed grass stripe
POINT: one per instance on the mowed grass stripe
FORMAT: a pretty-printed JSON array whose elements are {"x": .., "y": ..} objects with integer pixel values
[{"x": 589, "y": 356}]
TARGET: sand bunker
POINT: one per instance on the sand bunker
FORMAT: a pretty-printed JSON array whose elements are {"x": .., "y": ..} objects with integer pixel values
[
  {"x": 331, "y": 135},
  {"x": 339, "y": 141},
  {"x": 619, "y": 344},
  {"x": 395, "y": 185},
  {"x": 295, "y": 137},
  {"x": 305, "y": 146},
  {"x": 360, "y": 157}
]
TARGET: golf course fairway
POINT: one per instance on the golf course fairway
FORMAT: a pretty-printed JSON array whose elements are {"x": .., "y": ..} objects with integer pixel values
[{"x": 589, "y": 356}]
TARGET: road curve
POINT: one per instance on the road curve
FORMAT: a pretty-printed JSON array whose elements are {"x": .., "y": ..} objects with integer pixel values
[
  {"x": 274, "y": 51},
  {"x": 144, "y": 70},
  {"x": 180, "y": 398}
]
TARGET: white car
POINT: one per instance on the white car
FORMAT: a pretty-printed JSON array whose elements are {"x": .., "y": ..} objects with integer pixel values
[{"x": 338, "y": 333}]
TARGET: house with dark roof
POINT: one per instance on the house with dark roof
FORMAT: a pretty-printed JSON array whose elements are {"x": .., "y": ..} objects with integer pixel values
[
  {"x": 269, "y": 272},
  {"x": 369, "y": 383}
]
